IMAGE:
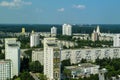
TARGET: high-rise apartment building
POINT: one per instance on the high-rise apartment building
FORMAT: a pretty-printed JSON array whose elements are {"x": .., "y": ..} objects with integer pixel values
[
  {"x": 12, "y": 52},
  {"x": 67, "y": 29},
  {"x": 5, "y": 69},
  {"x": 116, "y": 40},
  {"x": 34, "y": 40},
  {"x": 53, "y": 31},
  {"x": 51, "y": 59}
]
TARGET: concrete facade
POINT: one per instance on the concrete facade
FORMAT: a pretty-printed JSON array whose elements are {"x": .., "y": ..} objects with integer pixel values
[{"x": 12, "y": 52}]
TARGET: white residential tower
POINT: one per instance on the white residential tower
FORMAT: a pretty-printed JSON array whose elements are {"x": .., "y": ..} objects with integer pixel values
[
  {"x": 51, "y": 59},
  {"x": 12, "y": 52},
  {"x": 67, "y": 29}
]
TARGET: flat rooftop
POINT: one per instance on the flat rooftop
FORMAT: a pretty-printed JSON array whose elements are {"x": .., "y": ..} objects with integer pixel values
[
  {"x": 13, "y": 44},
  {"x": 52, "y": 44}
]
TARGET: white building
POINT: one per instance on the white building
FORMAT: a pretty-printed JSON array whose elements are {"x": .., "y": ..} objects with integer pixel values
[
  {"x": 102, "y": 74},
  {"x": 98, "y": 30},
  {"x": 68, "y": 44},
  {"x": 37, "y": 55},
  {"x": 51, "y": 59},
  {"x": 94, "y": 36},
  {"x": 54, "y": 31},
  {"x": 12, "y": 52},
  {"x": 83, "y": 69},
  {"x": 5, "y": 69},
  {"x": 116, "y": 40},
  {"x": 67, "y": 29},
  {"x": 34, "y": 40}
]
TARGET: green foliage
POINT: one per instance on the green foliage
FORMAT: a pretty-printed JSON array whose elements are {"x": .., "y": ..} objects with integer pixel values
[
  {"x": 25, "y": 41},
  {"x": 83, "y": 61},
  {"x": 36, "y": 67},
  {"x": 65, "y": 63},
  {"x": 64, "y": 37},
  {"x": 24, "y": 64},
  {"x": 26, "y": 76},
  {"x": 42, "y": 77},
  {"x": 112, "y": 66},
  {"x": 2, "y": 56},
  {"x": 29, "y": 54},
  {"x": 67, "y": 73},
  {"x": 89, "y": 43}
]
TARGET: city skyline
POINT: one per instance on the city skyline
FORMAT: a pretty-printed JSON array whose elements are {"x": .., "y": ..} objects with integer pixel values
[{"x": 59, "y": 12}]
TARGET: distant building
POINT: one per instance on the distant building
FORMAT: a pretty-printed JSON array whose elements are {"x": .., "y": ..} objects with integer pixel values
[
  {"x": 67, "y": 44},
  {"x": 12, "y": 52},
  {"x": 23, "y": 30},
  {"x": 116, "y": 40},
  {"x": 33, "y": 31},
  {"x": 37, "y": 55},
  {"x": 34, "y": 40},
  {"x": 98, "y": 30},
  {"x": 5, "y": 69},
  {"x": 53, "y": 31},
  {"x": 80, "y": 36},
  {"x": 51, "y": 59},
  {"x": 95, "y": 35},
  {"x": 67, "y": 29}
]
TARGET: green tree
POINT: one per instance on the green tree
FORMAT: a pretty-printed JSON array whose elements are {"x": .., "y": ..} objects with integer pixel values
[
  {"x": 24, "y": 64},
  {"x": 29, "y": 54},
  {"x": 65, "y": 63},
  {"x": 26, "y": 76},
  {"x": 35, "y": 66},
  {"x": 42, "y": 77},
  {"x": 2, "y": 56},
  {"x": 67, "y": 73}
]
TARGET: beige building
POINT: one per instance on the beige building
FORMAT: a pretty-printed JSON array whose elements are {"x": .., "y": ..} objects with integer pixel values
[
  {"x": 37, "y": 55},
  {"x": 52, "y": 58}
]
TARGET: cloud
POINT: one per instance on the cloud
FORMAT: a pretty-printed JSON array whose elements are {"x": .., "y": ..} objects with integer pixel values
[
  {"x": 61, "y": 10},
  {"x": 14, "y": 3},
  {"x": 79, "y": 6}
]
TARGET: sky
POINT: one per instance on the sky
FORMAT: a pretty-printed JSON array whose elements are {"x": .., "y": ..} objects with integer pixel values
[{"x": 59, "y": 11}]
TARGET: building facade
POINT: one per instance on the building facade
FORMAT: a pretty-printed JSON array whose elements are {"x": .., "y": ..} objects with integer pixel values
[
  {"x": 34, "y": 40},
  {"x": 96, "y": 34},
  {"x": 5, "y": 69},
  {"x": 12, "y": 52},
  {"x": 76, "y": 55},
  {"x": 54, "y": 31},
  {"x": 67, "y": 29},
  {"x": 23, "y": 31},
  {"x": 37, "y": 55},
  {"x": 116, "y": 40},
  {"x": 51, "y": 59}
]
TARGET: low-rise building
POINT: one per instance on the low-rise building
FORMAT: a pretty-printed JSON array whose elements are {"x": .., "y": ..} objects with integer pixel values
[
  {"x": 83, "y": 70},
  {"x": 37, "y": 55}
]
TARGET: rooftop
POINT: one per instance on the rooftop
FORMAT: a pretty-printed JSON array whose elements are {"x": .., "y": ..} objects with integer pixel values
[
  {"x": 13, "y": 44},
  {"x": 84, "y": 65},
  {"x": 52, "y": 44}
]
